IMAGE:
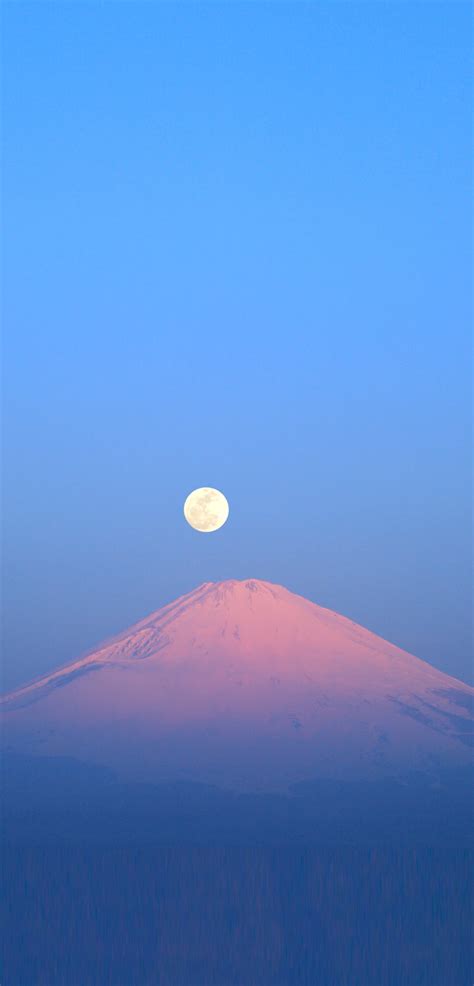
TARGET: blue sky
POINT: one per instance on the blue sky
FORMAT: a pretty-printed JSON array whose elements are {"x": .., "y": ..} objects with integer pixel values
[{"x": 236, "y": 254}]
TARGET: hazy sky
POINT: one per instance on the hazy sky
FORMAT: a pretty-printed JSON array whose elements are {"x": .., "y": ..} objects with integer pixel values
[{"x": 237, "y": 254}]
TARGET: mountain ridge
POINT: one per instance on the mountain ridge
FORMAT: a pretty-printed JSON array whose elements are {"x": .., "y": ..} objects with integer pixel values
[
  {"x": 171, "y": 611},
  {"x": 244, "y": 683}
]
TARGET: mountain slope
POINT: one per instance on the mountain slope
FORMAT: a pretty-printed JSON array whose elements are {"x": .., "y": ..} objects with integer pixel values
[{"x": 250, "y": 687}]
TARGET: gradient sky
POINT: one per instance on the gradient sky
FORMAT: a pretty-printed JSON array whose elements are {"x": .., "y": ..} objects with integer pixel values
[{"x": 236, "y": 254}]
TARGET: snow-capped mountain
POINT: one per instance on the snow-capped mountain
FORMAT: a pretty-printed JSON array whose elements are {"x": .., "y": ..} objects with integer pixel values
[{"x": 247, "y": 686}]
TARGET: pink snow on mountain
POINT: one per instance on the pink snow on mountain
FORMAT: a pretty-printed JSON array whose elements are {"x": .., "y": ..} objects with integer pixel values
[{"x": 248, "y": 686}]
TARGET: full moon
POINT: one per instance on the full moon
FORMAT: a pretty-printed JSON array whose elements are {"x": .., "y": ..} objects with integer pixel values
[{"x": 206, "y": 509}]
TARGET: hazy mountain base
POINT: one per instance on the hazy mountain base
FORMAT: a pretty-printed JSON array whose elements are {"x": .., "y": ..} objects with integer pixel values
[
  {"x": 63, "y": 801},
  {"x": 248, "y": 916}
]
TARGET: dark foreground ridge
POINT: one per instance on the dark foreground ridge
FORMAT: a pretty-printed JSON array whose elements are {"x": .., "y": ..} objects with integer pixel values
[
  {"x": 338, "y": 884},
  {"x": 237, "y": 916}
]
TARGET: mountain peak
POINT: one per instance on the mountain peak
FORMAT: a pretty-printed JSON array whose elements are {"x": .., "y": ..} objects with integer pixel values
[{"x": 236, "y": 585}]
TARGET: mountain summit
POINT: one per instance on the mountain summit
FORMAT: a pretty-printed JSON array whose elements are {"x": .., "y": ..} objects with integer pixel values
[{"x": 247, "y": 686}]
